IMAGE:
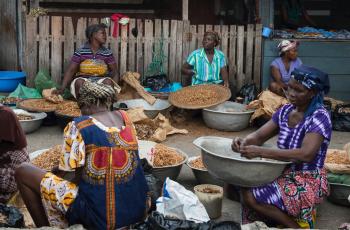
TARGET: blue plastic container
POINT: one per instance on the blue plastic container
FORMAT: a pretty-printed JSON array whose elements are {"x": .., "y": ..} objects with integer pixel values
[
  {"x": 9, "y": 80},
  {"x": 266, "y": 32}
]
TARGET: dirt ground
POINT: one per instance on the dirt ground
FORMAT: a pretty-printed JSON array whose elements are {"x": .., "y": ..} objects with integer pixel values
[{"x": 329, "y": 216}]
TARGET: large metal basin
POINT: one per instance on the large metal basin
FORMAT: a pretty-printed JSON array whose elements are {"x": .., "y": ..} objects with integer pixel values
[
  {"x": 160, "y": 106},
  {"x": 229, "y": 166},
  {"x": 228, "y": 116},
  {"x": 30, "y": 126}
]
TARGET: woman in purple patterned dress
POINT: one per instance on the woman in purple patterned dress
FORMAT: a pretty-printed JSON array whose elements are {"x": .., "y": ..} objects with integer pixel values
[{"x": 304, "y": 133}]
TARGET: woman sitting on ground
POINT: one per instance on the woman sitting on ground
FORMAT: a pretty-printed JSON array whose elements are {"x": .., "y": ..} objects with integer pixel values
[
  {"x": 282, "y": 67},
  {"x": 304, "y": 133},
  {"x": 92, "y": 62},
  {"x": 207, "y": 65},
  {"x": 109, "y": 190},
  {"x": 13, "y": 152}
]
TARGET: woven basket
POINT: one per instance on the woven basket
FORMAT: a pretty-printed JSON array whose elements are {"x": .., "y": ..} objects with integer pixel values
[
  {"x": 185, "y": 98},
  {"x": 30, "y": 105}
]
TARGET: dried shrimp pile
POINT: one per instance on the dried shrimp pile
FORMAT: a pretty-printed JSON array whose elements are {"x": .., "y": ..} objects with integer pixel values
[
  {"x": 337, "y": 156},
  {"x": 210, "y": 190},
  {"x": 197, "y": 163},
  {"x": 197, "y": 96},
  {"x": 24, "y": 117},
  {"x": 41, "y": 104},
  {"x": 69, "y": 108},
  {"x": 48, "y": 159},
  {"x": 164, "y": 156},
  {"x": 144, "y": 131}
]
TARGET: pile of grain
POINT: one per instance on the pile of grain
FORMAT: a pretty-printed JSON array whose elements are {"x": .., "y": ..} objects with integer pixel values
[
  {"x": 337, "y": 156},
  {"x": 49, "y": 159},
  {"x": 197, "y": 163},
  {"x": 197, "y": 96},
  {"x": 210, "y": 190},
  {"x": 69, "y": 108},
  {"x": 24, "y": 117},
  {"x": 9, "y": 100},
  {"x": 39, "y": 104},
  {"x": 165, "y": 156}
]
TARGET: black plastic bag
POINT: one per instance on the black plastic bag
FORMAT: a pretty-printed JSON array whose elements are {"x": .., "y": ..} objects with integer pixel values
[
  {"x": 156, "y": 82},
  {"x": 248, "y": 92},
  {"x": 154, "y": 184},
  {"x": 157, "y": 221},
  {"x": 14, "y": 217},
  {"x": 341, "y": 118}
]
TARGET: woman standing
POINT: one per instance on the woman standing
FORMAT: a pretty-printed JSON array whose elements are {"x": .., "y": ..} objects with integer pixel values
[
  {"x": 92, "y": 62},
  {"x": 207, "y": 65},
  {"x": 304, "y": 133},
  {"x": 282, "y": 67},
  {"x": 12, "y": 151},
  {"x": 109, "y": 190}
]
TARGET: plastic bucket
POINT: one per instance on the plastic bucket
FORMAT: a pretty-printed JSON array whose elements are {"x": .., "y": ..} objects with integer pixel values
[
  {"x": 211, "y": 197},
  {"x": 266, "y": 32},
  {"x": 9, "y": 80}
]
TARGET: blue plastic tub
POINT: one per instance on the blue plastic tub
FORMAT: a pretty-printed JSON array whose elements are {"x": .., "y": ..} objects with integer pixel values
[{"x": 9, "y": 80}]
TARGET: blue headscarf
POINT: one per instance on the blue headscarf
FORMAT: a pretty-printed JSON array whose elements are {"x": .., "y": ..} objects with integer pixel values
[{"x": 312, "y": 78}]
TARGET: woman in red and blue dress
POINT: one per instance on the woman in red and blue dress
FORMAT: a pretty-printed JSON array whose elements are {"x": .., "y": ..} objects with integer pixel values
[
  {"x": 109, "y": 190},
  {"x": 304, "y": 133}
]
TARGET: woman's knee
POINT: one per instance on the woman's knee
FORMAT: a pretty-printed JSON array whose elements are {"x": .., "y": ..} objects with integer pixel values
[{"x": 249, "y": 199}]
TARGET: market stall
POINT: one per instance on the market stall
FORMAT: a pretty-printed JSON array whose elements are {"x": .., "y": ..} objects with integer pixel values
[{"x": 325, "y": 47}]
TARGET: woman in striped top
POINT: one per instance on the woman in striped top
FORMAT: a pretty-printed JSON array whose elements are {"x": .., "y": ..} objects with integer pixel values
[
  {"x": 92, "y": 62},
  {"x": 207, "y": 65}
]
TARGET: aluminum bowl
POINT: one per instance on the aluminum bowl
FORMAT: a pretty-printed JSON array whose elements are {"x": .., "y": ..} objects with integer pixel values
[
  {"x": 202, "y": 175},
  {"x": 231, "y": 168},
  {"x": 172, "y": 171},
  {"x": 339, "y": 194},
  {"x": 228, "y": 116},
  {"x": 29, "y": 126},
  {"x": 160, "y": 106}
]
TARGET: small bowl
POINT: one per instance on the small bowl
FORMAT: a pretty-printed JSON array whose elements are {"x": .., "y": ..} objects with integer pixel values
[
  {"x": 339, "y": 194},
  {"x": 160, "y": 106},
  {"x": 228, "y": 116},
  {"x": 32, "y": 125},
  {"x": 171, "y": 171},
  {"x": 202, "y": 175}
]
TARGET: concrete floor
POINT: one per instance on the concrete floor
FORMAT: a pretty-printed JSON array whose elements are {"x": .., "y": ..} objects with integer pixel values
[{"x": 330, "y": 216}]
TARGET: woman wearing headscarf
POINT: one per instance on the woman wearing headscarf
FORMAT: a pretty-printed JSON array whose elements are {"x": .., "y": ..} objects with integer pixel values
[
  {"x": 304, "y": 133},
  {"x": 207, "y": 65},
  {"x": 93, "y": 62},
  {"x": 283, "y": 66},
  {"x": 13, "y": 151},
  {"x": 109, "y": 190}
]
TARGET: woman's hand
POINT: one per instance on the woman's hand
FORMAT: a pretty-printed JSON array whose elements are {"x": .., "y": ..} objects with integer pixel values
[
  {"x": 251, "y": 151},
  {"x": 237, "y": 143}
]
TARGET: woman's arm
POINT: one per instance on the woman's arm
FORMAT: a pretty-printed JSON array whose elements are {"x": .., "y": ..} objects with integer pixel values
[
  {"x": 72, "y": 69},
  {"x": 256, "y": 138},
  {"x": 224, "y": 74},
  {"x": 114, "y": 72},
  {"x": 306, "y": 153},
  {"x": 277, "y": 77},
  {"x": 187, "y": 70}
]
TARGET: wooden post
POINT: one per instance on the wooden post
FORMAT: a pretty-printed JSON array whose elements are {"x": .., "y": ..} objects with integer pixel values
[{"x": 184, "y": 10}]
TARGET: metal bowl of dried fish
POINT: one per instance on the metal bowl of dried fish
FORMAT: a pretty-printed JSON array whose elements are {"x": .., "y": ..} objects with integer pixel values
[
  {"x": 167, "y": 162},
  {"x": 30, "y": 122},
  {"x": 200, "y": 171}
]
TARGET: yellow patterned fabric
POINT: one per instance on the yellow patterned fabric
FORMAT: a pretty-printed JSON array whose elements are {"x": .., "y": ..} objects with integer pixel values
[
  {"x": 93, "y": 67},
  {"x": 73, "y": 156},
  {"x": 57, "y": 195}
]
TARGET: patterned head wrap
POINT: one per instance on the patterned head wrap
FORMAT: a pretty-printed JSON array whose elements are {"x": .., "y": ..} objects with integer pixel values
[
  {"x": 312, "y": 79},
  {"x": 215, "y": 35},
  {"x": 94, "y": 93},
  {"x": 286, "y": 45}
]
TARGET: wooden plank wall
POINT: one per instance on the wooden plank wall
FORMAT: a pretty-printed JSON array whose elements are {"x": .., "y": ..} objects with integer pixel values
[
  {"x": 8, "y": 36},
  {"x": 52, "y": 45}
]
